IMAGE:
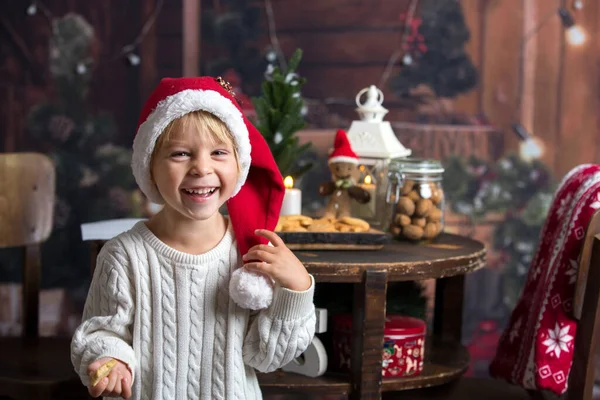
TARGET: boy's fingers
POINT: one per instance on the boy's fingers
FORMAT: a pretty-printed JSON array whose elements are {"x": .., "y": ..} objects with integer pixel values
[
  {"x": 263, "y": 247},
  {"x": 259, "y": 266},
  {"x": 97, "y": 364},
  {"x": 259, "y": 255},
  {"x": 274, "y": 238},
  {"x": 113, "y": 378},
  {"x": 118, "y": 387},
  {"x": 96, "y": 391},
  {"x": 126, "y": 385}
]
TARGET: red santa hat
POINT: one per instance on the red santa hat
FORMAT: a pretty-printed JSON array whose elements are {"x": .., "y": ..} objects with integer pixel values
[
  {"x": 342, "y": 150},
  {"x": 259, "y": 187}
]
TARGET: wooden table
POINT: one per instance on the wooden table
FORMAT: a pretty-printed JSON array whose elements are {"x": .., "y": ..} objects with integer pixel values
[{"x": 447, "y": 259}]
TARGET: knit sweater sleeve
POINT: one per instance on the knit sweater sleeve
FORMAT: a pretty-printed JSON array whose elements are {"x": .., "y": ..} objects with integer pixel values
[
  {"x": 281, "y": 332},
  {"x": 106, "y": 328}
]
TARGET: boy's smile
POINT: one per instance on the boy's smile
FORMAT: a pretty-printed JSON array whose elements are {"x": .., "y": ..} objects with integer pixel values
[{"x": 200, "y": 194}]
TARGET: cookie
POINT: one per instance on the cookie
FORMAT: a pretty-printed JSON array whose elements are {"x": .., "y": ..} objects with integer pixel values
[
  {"x": 356, "y": 222},
  {"x": 103, "y": 371}
]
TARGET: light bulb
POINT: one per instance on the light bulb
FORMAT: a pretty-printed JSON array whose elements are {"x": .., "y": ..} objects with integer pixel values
[
  {"x": 32, "y": 9},
  {"x": 576, "y": 35},
  {"x": 133, "y": 59},
  {"x": 531, "y": 149},
  {"x": 81, "y": 68}
]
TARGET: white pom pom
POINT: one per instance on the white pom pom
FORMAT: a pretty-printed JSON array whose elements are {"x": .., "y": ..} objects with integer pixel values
[{"x": 250, "y": 290}]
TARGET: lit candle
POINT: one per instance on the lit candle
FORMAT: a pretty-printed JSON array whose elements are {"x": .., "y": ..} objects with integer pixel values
[{"x": 292, "y": 201}]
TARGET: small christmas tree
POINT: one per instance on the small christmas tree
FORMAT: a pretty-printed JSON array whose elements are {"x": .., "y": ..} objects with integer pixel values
[
  {"x": 279, "y": 112},
  {"x": 435, "y": 56}
]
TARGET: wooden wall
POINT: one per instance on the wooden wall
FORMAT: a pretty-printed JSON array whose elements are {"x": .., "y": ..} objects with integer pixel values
[
  {"x": 116, "y": 87},
  {"x": 347, "y": 44}
]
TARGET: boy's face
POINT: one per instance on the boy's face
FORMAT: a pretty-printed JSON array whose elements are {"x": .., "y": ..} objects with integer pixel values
[{"x": 194, "y": 175}]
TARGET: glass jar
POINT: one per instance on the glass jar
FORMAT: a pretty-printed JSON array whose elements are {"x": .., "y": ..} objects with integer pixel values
[{"x": 416, "y": 197}]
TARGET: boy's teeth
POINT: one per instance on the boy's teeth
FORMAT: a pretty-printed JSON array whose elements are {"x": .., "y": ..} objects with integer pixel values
[{"x": 200, "y": 191}]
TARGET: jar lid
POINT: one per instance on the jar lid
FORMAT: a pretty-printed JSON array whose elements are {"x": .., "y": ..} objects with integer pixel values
[
  {"x": 394, "y": 323},
  {"x": 404, "y": 325},
  {"x": 417, "y": 166}
]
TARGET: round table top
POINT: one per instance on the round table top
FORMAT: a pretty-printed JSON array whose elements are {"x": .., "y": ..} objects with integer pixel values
[{"x": 445, "y": 256}]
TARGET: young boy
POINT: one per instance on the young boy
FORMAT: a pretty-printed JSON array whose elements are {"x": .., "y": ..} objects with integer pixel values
[{"x": 170, "y": 299}]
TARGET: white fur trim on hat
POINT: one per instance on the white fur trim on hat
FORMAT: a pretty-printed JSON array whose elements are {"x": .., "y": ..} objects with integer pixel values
[
  {"x": 345, "y": 159},
  {"x": 176, "y": 106}
]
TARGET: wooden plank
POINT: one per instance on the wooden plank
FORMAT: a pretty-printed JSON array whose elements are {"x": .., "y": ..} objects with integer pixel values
[
  {"x": 169, "y": 22},
  {"x": 171, "y": 52},
  {"x": 368, "y": 322},
  {"x": 191, "y": 37},
  {"x": 441, "y": 141},
  {"x": 581, "y": 378},
  {"x": 470, "y": 103},
  {"x": 578, "y": 127},
  {"x": 447, "y": 318},
  {"x": 32, "y": 278},
  {"x": 8, "y": 130},
  {"x": 342, "y": 81},
  {"x": 367, "y": 46},
  {"x": 542, "y": 118},
  {"x": 304, "y": 15},
  {"x": 148, "y": 66},
  {"x": 501, "y": 43}
]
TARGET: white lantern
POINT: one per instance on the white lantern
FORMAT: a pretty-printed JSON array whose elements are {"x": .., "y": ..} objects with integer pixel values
[{"x": 376, "y": 145}]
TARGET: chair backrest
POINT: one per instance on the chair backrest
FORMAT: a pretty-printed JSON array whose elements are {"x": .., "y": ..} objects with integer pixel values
[
  {"x": 586, "y": 308},
  {"x": 27, "y": 189}
]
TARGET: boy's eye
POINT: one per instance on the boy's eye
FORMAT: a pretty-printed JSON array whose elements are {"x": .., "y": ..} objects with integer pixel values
[
  {"x": 220, "y": 152},
  {"x": 180, "y": 154}
]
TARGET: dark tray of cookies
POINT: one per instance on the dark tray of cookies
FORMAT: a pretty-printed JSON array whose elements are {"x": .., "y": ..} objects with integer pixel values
[{"x": 304, "y": 233}]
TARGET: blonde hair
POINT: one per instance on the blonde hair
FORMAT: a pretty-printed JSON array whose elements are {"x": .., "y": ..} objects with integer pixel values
[{"x": 199, "y": 121}]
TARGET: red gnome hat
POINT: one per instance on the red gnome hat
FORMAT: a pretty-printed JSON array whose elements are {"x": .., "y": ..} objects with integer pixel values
[
  {"x": 342, "y": 150},
  {"x": 258, "y": 195}
]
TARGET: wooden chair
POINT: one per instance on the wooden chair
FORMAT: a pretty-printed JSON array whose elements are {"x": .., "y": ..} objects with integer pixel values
[
  {"x": 31, "y": 367},
  {"x": 586, "y": 309}
]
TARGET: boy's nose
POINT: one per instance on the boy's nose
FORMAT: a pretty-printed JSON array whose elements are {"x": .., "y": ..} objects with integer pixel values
[{"x": 201, "y": 166}]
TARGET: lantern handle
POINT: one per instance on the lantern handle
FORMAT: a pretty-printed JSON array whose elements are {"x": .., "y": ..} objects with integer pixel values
[{"x": 370, "y": 100}]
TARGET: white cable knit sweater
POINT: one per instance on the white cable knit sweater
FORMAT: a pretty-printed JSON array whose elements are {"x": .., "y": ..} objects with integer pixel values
[{"x": 168, "y": 315}]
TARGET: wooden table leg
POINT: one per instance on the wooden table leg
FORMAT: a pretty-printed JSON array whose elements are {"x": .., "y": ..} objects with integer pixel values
[
  {"x": 447, "y": 318},
  {"x": 367, "y": 337}
]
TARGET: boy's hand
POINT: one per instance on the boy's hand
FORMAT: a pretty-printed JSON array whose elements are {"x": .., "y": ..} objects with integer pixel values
[
  {"x": 117, "y": 383},
  {"x": 278, "y": 262}
]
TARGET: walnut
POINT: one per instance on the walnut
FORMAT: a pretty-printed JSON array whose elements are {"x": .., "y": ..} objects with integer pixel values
[
  {"x": 423, "y": 207},
  {"x": 405, "y": 206}
]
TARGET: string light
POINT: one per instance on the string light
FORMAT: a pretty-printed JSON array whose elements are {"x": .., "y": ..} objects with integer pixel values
[
  {"x": 575, "y": 34},
  {"x": 578, "y": 4},
  {"x": 530, "y": 146},
  {"x": 126, "y": 51}
]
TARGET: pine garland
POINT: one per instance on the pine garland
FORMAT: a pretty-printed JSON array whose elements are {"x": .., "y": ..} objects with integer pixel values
[{"x": 521, "y": 191}]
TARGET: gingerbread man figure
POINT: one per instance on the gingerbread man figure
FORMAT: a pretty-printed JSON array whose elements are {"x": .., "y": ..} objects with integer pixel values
[{"x": 342, "y": 189}]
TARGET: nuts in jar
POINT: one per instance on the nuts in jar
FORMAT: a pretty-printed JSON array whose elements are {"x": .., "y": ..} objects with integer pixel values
[{"x": 418, "y": 212}]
